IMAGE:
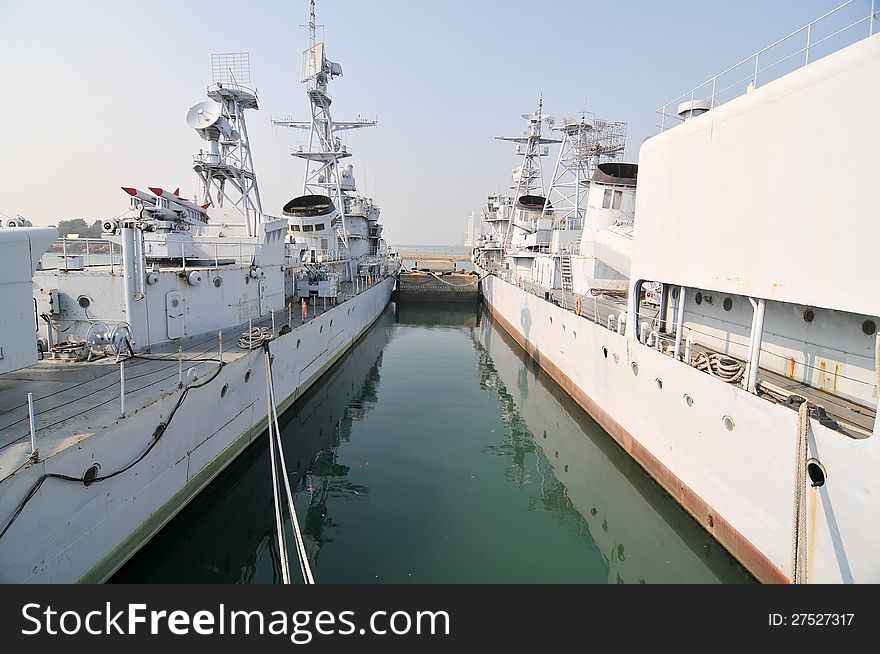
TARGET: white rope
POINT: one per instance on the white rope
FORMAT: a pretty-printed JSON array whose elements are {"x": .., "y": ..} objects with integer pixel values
[
  {"x": 725, "y": 368},
  {"x": 253, "y": 339},
  {"x": 465, "y": 285},
  {"x": 279, "y": 523},
  {"x": 799, "y": 510},
  {"x": 304, "y": 566}
]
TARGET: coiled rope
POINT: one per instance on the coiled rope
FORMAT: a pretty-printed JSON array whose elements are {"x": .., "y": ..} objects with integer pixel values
[
  {"x": 799, "y": 510},
  {"x": 725, "y": 368},
  {"x": 253, "y": 339},
  {"x": 275, "y": 442}
]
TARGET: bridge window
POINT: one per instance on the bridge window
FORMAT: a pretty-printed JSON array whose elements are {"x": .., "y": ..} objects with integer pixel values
[
  {"x": 606, "y": 201},
  {"x": 307, "y": 228}
]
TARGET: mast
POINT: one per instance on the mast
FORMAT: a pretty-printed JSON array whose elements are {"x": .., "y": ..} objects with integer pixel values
[
  {"x": 226, "y": 170},
  {"x": 587, "y": 141},
  {"x": 325, "y": 150},
  {"x": 532, "y": 145}
]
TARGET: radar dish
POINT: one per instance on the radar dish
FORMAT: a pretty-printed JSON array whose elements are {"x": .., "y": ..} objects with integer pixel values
[{"x": 204, "y": 115}]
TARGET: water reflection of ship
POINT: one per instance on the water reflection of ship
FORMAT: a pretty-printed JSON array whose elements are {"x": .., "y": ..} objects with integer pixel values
[
  {"x": 426, "y": 314},
  {"x": 227, "y": 535},
  {"x": 587, "y": 481}
]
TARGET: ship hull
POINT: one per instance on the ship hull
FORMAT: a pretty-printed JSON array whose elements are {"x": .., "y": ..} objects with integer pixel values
[
  {"x": 75, "y": 533},
  {"x": 737, "y": 484}
]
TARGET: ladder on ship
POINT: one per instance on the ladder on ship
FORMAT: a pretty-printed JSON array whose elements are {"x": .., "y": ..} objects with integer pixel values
[{"x": 565, "y": 264}]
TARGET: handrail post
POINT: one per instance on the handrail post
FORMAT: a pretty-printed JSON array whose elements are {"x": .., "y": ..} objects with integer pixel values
[
  {"x": 122, "y": 389},
  {"x": 871, "y": 20},
  {"x": 35, "y": 453},
  {"x": 755, "y": 78},
  {"x": 809, "y": 36}
]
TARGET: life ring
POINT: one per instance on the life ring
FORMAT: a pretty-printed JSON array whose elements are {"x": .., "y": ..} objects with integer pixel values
[
  {"x": 305, "y": 310},
  {"x": 577, "y": 306}
]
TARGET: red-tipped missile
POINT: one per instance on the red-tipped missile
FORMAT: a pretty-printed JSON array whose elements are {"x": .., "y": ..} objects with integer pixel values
[
  {"x": 167, "y": 195},
  {"x": 140, "y": 195}
]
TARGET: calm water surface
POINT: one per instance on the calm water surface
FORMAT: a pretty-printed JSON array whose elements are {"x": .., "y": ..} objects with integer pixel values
[{"x": 435, "y": 452}]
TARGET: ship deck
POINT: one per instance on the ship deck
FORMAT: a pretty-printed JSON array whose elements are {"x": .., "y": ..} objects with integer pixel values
[
  {"x": 73, "y": 400},
  {"x": 854, "y": 420}
]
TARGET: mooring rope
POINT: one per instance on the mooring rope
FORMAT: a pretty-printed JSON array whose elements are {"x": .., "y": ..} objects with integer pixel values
[
  {"x": 253, "y": 339},
  {"x": 305, "y": 568},
  {"x": 276, "y": 444},
  {"x": 279, "y": 522},
  {"x": 465, "y": 285},
  {"x": 799, "y": 510},
  {"x": 725, "y": 368}
]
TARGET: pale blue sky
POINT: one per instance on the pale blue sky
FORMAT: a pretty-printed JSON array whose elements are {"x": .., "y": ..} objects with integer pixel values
[{"x": 95, "y": 93}]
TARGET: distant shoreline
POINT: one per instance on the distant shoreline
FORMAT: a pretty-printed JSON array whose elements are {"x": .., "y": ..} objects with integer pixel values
[{"x": 434, "y": 256}]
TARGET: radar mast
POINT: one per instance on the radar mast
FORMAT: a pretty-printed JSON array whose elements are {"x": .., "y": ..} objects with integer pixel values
[{"x": 325, "y": 150}]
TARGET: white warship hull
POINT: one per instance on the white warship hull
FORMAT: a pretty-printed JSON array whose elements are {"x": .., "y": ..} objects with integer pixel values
[
  {"x": 739, "y": 484},
  {"x": 70, "y": 532}
]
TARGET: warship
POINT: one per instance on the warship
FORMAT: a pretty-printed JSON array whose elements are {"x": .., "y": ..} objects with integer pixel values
[
  {"x": 713, "y": 307},
  {"x": 134, "y": 367}
]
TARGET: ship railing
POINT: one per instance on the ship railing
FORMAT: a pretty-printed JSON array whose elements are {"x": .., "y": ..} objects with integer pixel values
[
  {"x": 90, "y": 251},
  {"x": 327, "y": 256},
  {"x": 829, "y": 33},
  {"x": 602, "y": 309}
]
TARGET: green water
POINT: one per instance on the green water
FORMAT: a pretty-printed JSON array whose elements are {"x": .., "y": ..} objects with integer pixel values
[{"x": 434, "y": 453}]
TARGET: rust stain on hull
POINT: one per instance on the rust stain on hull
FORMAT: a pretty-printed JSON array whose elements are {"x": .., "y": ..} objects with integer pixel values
[{"x": 738, "y": 545}]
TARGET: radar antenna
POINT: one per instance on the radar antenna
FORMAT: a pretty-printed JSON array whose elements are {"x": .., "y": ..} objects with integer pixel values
[
  {"x": 226, "y": 169},
  {"x": 587, "y": 142}
]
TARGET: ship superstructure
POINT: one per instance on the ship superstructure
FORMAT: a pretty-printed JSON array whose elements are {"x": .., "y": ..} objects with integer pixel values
[
  {"x": 334, "y": 231},
  {"x": 151, "y": 347},
  {"x": 700, "y": 322}
]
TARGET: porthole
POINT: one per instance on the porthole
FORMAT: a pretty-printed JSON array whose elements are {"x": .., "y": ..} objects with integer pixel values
[
  {"x": 321, "y": 329},
  {"x": 659, "y": 383},
  {"x": 84, "y": 301},
  {"x": 563, "y": 328},
  {"x": 728, "y": 422},
  {"x": 816, "y": 472},
  {"x": 566, "y": 467},
  {"x": 605, "y": 352},
  {"x": 675, "y": 293},
  {"x": 728, "y": 304},
  {"x": 297, "y": 343},
  {"x": 247, "y": 376},
  {"x": 247, "y": 279},
  {"x": 331, "y": 323},
  {"x": 224, "y": 390},
  {"x": 698, "y": 298},
  {"x": 809, "y": 315},
  {"x": 551, "y": 320},
  {"x": 575, "y": 334},
  {"x": 688, "y": 400},
  {"x": 869, "y": 328},
  {"x": 635, "y": 368},
  {"x": 616, "y": 358},
  {"x": 91, "y": 474},
  {"x": 218, "y": 282}
]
